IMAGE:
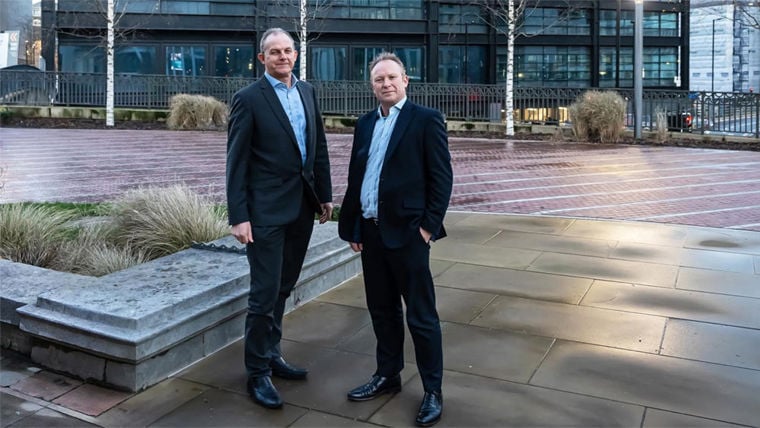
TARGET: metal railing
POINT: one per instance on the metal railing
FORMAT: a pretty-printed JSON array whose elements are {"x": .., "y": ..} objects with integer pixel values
[{"x": 720, "y": 112}]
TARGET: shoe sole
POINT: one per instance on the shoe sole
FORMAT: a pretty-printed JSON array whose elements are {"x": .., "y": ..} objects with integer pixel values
[
  {"x": 387, "y": 391},
  {"x": 268, "y": 406}
]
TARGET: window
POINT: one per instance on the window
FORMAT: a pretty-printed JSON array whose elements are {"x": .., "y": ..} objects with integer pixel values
[
  {"x": 414, "y": 61},
  {"x": 555, "y": 66},
  {"x": 136, "y": 59},
  {"x": 362, "y": 58},
  {"x": 462, "y": 64},
  {"x": 660, "y": 67},
  {"x": 328, "y": 63},
  {"x": 82, "y": 59},
  {"x": 461, "y": 19},
  {"x": 661, "y": 24},
  {"x": 186, "y": 60},
  {"x": 556, "y": 21},
  {"x": 233, "y": 61},
  {"x": 607, "y": 67},
  {"x": 608, "y": 22}
]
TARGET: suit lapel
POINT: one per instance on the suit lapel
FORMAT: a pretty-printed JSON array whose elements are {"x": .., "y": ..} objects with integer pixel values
[
  {"x": 279, "y": 112},
  {"x": 402, "y": 122}
]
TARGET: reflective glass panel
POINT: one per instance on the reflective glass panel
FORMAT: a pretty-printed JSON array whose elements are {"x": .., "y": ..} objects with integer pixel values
[
  {"x": 186, "y": 60},
  {"x": 233, "y": 61}
]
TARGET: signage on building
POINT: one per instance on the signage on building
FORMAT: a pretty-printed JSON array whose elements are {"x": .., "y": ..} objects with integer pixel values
[{"x": 8, "y": 48}]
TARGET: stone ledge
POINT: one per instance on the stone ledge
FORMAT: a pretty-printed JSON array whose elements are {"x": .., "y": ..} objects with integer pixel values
[{"x": 145, "y": 322}]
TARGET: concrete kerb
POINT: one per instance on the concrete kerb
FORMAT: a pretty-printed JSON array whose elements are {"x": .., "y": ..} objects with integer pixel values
[{"x": 133, "y": 328}]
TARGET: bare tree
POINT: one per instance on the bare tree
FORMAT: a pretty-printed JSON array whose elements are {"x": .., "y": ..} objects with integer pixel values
[
  {"x": 305, "y": 24},
  {"x": 507, "y": 17},
  {"x": 112, "y": 12},
  {"x": 749, "y": 12}
]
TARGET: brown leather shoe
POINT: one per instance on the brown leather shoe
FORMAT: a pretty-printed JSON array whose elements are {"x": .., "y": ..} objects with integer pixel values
[
  {"x": 430, "y": 409},
  {"x": 378, "y": 385}
]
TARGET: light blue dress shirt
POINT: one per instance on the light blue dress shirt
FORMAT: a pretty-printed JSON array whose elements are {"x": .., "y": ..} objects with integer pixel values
[
  {"x": 291, "y": 102},
  {"x": 381, "y": 136}
]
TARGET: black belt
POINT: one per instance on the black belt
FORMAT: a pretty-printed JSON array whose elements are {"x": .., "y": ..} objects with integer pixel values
[{"x": 372, "y": 220}]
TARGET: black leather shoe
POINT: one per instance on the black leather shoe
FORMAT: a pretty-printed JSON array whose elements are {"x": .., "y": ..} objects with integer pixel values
[
  {"x": 430, "y": 409},
  {"x": 378, "y": 385},
  {"x": 282, "y": 369},
  {"x": 263, "y": 392}
]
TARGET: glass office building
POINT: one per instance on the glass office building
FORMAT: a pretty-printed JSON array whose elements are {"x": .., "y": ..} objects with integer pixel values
[{"x": 559, "y": 44}]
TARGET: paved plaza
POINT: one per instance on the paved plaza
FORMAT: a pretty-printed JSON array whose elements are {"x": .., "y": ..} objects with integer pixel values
[{"x": 580, "y": 285}]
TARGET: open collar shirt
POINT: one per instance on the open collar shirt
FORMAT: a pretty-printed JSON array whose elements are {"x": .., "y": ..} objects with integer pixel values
[
  {"x": 381, "y": 136},
  {"x": 291, "y": 102}
]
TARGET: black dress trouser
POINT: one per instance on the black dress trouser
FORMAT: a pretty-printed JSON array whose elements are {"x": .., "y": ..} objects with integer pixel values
[
  {"x": 389, "y": 276},
  {"x": 276, "y": 257}
]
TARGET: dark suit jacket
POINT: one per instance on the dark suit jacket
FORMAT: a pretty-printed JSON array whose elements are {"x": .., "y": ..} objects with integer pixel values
[
  {"x": 265, "y": 178},
  {"x": 415, "y": 182}
]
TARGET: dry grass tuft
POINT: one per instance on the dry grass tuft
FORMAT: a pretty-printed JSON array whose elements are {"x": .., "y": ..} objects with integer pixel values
[
  {"x": 32, "y": 234},
  {"x": 598, "y": 116},
  {"x": 661, "y": 126},
  {"x": 94, "y": 253},
  {"x": 161, "y": 221},
  {"x": 188, "y": 111}
]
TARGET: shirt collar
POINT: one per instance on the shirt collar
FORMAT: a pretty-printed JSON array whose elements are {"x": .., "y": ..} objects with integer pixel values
[
  {"x": 399, "y": 105},
  {"x": 274, "y": 82}
]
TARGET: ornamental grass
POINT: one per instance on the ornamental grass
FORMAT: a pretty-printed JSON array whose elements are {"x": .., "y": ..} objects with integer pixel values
[
  {"x": 32, "y": 234},
  {"x": 161, "y": 221},
  {"x": 598, "y": 116},
  {"x": 200, "y": 112}
]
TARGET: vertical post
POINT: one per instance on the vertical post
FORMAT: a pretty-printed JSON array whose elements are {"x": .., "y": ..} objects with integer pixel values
[
  {"x": 712, "y": 71},
  {"x": 110, "y": 65},
  {"x": 638, "y": 67}
]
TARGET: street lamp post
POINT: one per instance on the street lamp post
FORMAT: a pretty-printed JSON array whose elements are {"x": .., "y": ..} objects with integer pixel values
[
  {"x": 638, "y": 69},
  {"x": 712, "y": 73}
]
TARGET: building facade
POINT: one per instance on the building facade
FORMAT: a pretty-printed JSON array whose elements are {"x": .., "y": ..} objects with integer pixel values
[
  {"x": 576, "y": 43},
  {"x": 725, "y": 46}
]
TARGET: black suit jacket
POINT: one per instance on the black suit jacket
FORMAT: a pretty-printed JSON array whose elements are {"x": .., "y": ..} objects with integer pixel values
[
  {"x": 415, "y": 181},
  {"x": 265, "y": 178}
]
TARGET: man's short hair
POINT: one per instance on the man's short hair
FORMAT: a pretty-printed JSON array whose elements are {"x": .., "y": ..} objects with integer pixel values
[
  {"x": 386, "y": 56},
  {"x": 272, "y": 32}
]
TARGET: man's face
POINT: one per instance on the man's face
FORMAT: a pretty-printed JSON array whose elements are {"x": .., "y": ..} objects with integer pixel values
[
  {"x": 279, "y": 56},
  {"x": 389, "y": 83}
]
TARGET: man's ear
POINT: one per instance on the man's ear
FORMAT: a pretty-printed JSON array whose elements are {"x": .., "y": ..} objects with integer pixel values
[{"x": 260, "y": 56}]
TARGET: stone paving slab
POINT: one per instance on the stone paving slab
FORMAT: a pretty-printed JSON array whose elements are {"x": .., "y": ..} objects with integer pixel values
[
  {"x": 691, "y": 387},
  {"x": 713, "y": 343}
]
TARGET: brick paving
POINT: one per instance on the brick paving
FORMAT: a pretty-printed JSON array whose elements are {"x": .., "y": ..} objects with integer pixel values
[{"x": 703, "y": 187}]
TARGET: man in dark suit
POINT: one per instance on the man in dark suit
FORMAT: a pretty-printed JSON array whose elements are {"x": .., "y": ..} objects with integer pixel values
[
  {"x": 399, "y": 184},
  {"x": 278, "y": 176}
]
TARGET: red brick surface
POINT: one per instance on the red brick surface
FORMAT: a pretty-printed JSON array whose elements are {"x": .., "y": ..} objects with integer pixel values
[{"x": 704, "y": 187}]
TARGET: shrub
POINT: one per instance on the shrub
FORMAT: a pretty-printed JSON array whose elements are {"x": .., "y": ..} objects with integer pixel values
[
  {"x": 161, "y": 221},
  {"x": 196, "y": 112},
  {"x": 32, "y": 234},
  {"x": 598, "y": 116},
  {"x": 661, "y": 126}
]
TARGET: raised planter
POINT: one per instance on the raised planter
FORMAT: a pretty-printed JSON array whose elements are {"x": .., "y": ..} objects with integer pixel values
[{"x": 133, "y": 328}]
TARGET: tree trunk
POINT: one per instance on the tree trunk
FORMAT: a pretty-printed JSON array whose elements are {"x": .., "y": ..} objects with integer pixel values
[
  {"x": 509, "y": 102},
  {"x": 303, "y": 35},
  {"x": 110, "y": 65}
]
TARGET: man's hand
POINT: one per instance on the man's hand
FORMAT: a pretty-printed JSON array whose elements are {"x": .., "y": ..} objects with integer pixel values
[
  {"x": 327, "y": 209},
  {"x": 242, "y": 232},
  {"x": 356, "y": 246},
  {"x": 426, "y": 235}
]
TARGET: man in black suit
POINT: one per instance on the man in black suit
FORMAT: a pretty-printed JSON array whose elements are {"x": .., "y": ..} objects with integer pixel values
[
  {"x": 399, "y": 184},
  {"x": 278, "y": 176}
]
